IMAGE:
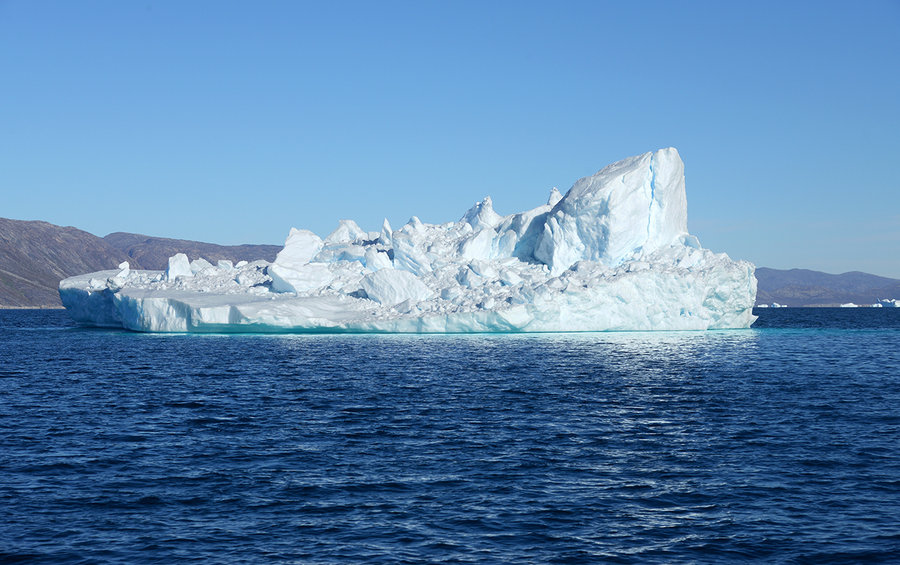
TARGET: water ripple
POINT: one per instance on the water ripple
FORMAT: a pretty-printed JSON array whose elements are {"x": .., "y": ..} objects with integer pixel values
[{"x": 772, "y": 445}]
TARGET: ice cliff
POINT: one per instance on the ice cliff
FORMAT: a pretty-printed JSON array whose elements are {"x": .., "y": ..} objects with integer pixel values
[{"x": 614, "y": 253}]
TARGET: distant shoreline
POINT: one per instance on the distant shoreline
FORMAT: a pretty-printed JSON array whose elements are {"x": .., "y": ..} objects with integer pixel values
[{"x": 3, "y": 307}]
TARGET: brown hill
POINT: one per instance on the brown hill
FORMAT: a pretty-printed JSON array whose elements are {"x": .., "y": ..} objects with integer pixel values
[
  {"x": 802, "y": 287},
  {"x": 35, "y": 256},
  {"x": 154, "y": 252}
]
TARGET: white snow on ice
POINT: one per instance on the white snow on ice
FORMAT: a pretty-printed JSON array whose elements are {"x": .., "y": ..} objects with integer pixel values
[{"x": 614, "y": 253}]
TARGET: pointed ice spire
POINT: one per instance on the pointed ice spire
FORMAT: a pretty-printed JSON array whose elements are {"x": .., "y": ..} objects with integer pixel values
[
  {"x": 482, "y": 215},
  {"x": 414, "y": 225},
  {"x": 555, "y": 196},
  {"x": 386, "y": 231},
  {"x": 347, "y": 231}
]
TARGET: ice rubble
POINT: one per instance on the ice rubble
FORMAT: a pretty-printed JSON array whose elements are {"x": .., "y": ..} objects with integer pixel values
[{"x": 614, "y": 253}]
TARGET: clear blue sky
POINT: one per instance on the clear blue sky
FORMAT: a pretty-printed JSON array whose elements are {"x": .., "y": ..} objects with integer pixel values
[{"x": 231, "y": 122}]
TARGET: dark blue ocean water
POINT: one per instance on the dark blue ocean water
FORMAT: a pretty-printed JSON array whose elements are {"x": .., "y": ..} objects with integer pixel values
[{"x": 776, "y": 444}]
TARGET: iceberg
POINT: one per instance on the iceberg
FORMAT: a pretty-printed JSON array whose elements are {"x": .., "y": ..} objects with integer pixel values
[{"x": 613, "y": 253}]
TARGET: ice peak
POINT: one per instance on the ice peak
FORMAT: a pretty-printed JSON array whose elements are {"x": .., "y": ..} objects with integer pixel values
[
  {"x": 347, "y": 231},
  {"x": 299, "y": 248},
  {"x": 555, "y": 196},
  {"x": 482, "y": 215},
  {"x": 413, "y": 225},
  {"x": 386, "y": 231},
  {"x": 634, "y": 205},
  {"x": 179, "y": 266}
]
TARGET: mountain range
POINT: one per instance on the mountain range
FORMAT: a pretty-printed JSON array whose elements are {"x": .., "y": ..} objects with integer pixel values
[
  {"x": 802, "y": 287},
  {"x": 35, "y": 256}
]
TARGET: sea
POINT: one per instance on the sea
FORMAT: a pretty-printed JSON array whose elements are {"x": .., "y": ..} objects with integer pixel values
[{"x": 777, "y": 444}]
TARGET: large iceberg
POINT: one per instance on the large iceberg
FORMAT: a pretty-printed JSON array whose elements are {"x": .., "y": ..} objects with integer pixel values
[{"x": 614, "y": 253}]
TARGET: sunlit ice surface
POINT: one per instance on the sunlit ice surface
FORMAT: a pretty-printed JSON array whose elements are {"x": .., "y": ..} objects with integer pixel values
[{"x": 612, "y": 254}]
